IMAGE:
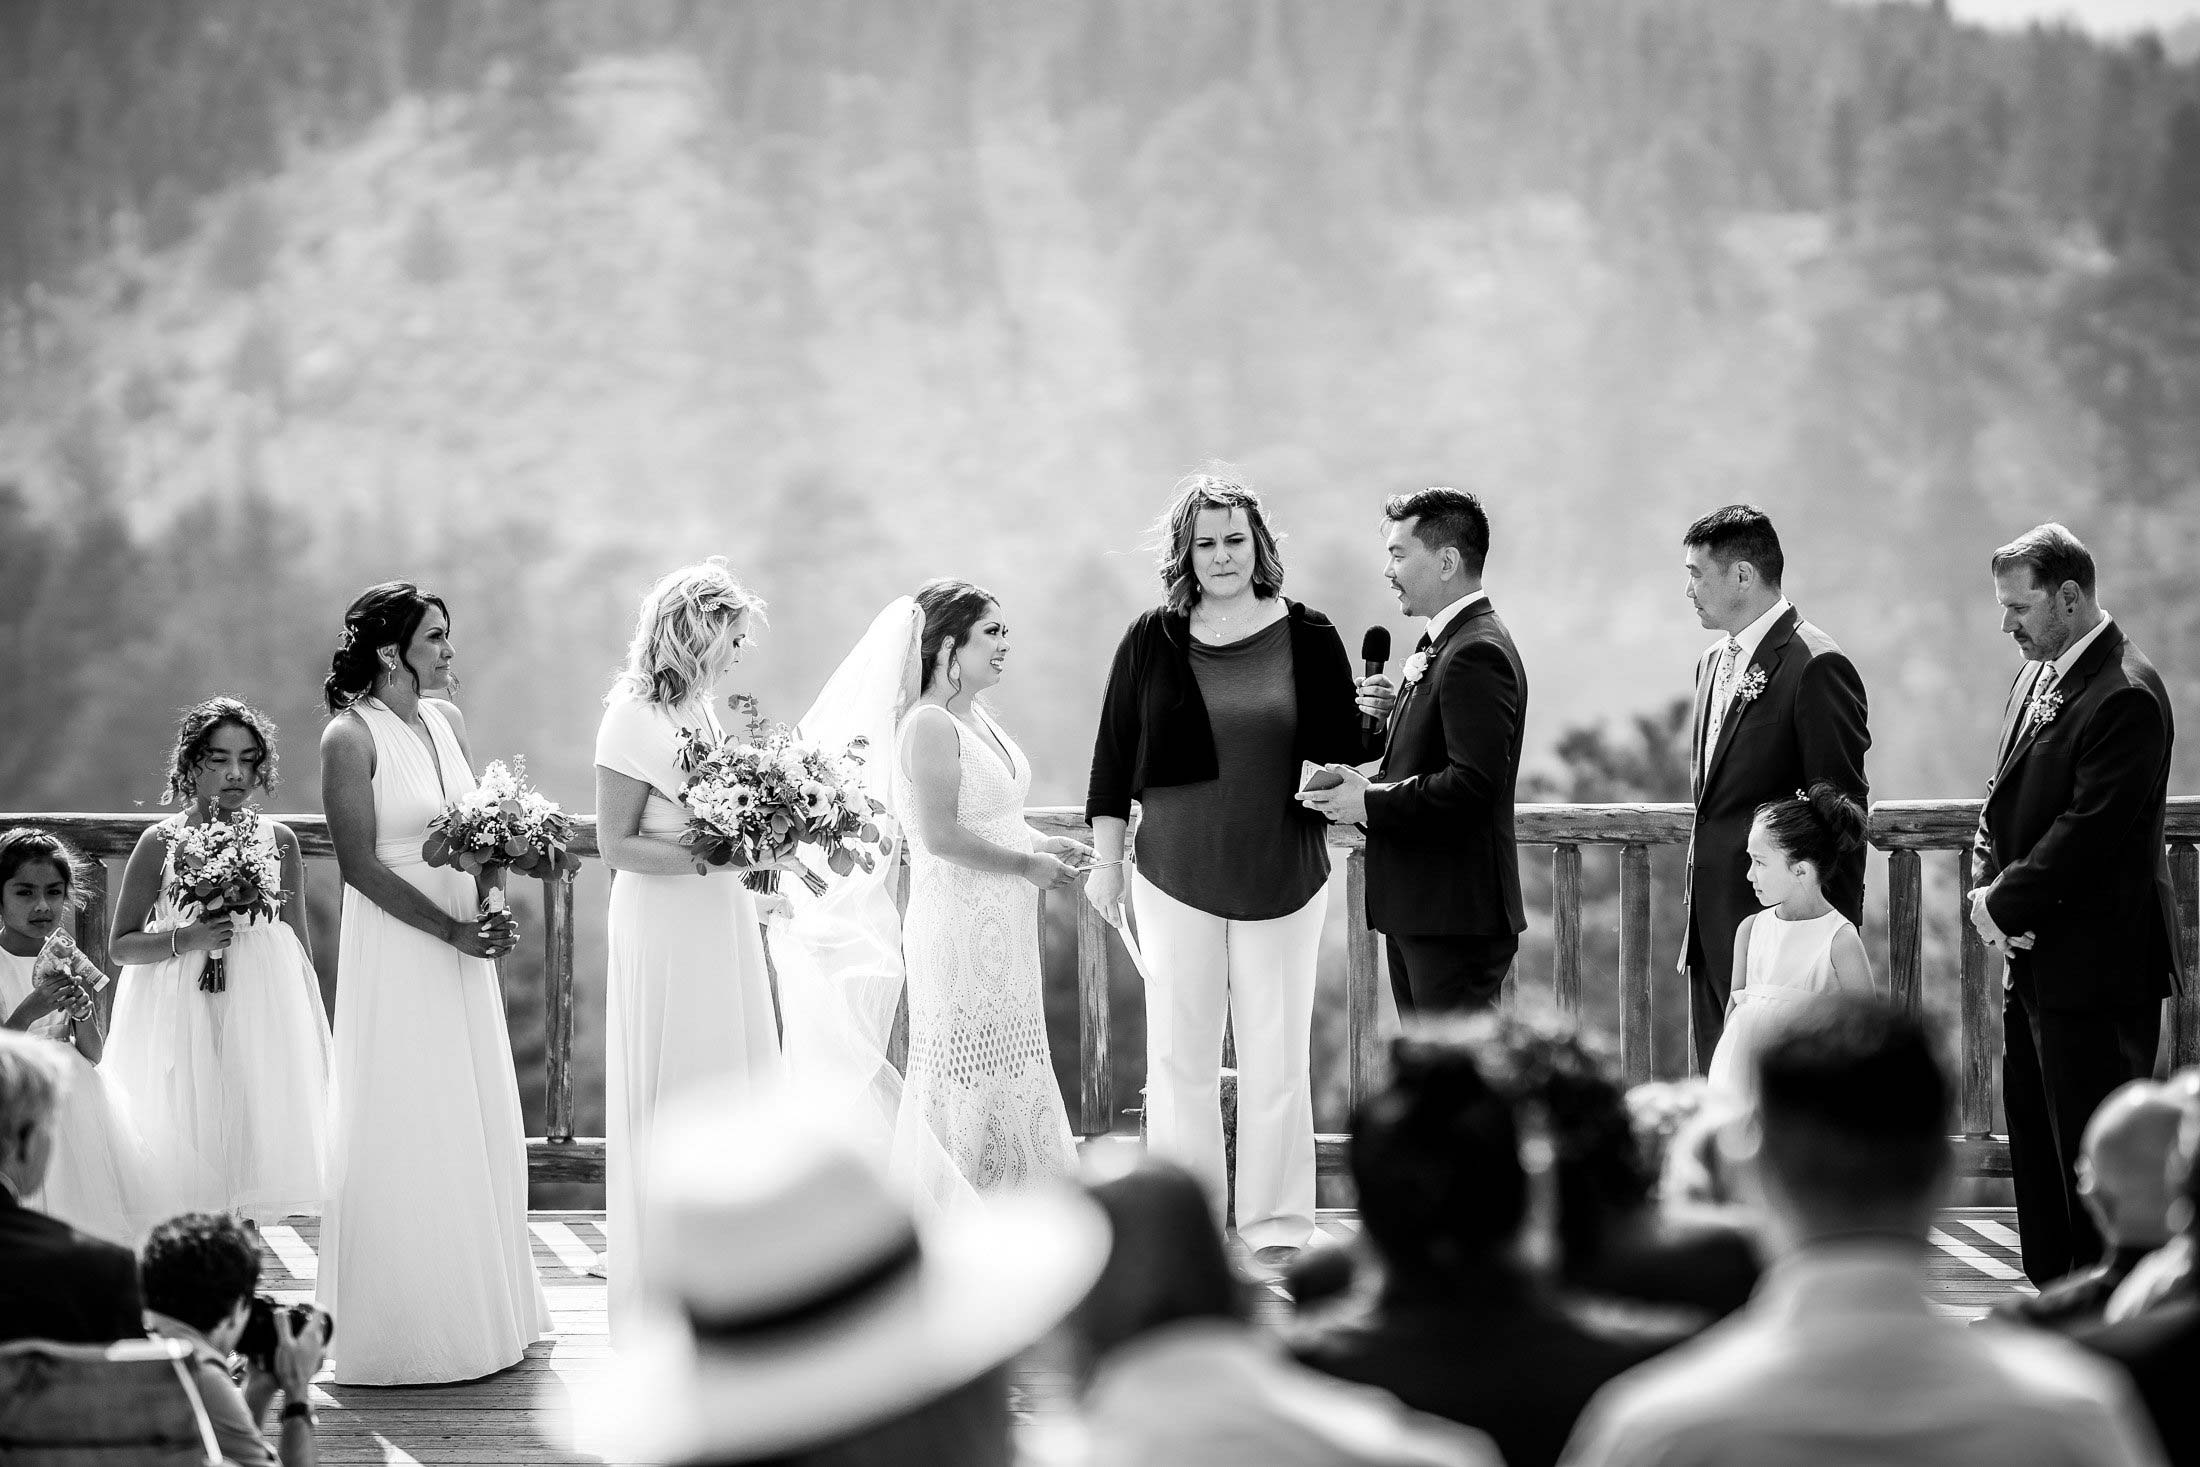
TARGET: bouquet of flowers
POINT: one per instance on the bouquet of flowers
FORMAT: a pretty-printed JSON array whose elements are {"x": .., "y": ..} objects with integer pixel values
[
  {"x": 222, "y": 871},
  {"x": 61, "y": 956},
  {"x": 753, "y": 801},
  {"x": 502, "y": 822}
]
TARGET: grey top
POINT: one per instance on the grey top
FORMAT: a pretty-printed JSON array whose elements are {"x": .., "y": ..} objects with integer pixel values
[{"x": 1236, "y": 846}]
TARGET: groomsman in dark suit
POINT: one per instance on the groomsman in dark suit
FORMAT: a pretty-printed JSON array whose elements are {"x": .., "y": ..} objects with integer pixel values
[
  {"x": 2074, "y": 888},
  {"x": 1443, "y": 873},
  {"x": 1779, "y": 707}
]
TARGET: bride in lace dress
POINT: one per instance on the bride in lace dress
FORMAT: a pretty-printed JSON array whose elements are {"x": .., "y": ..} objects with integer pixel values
[{"x": 978, "y": 1110}]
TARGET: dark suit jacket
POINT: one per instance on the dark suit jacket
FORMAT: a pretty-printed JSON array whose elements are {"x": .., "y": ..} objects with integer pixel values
[
  {"x": 1506, "y": 1361},
  {"x": 1808, "y": 724},
  {"x": 2161, "y": 1349},
  {"x": 1441, "y": 860},
  {"x": 57, "y": 1284},
  {"x": 2070, "y": 840}
]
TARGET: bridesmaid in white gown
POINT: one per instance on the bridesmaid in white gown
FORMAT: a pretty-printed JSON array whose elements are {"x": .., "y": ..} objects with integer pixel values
[
  {"x": 980, "y": 1077},
  {"x": 425, "y": 1259},
  {"x": 688, "y": 995}
]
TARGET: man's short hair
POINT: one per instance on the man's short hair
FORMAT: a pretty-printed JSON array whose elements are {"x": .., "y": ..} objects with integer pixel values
[
  {"x": 2052, "y": 554},
  {"x": 1854, "y": 1104},
  {"x": 196, "y": 1267},
  {"x": 1741, "y": 532},
  {"x": 30, "y": 1082},
  {"x": 1436, "y": 1155},
  {"x": 1443, "y": 517}
]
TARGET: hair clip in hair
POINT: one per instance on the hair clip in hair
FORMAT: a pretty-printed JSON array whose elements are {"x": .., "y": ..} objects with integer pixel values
[{"x": 1803, "y": 796}]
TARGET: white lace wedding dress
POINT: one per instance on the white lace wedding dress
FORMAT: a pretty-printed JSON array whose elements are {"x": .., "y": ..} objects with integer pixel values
[{"x": 979, "y": 1078}]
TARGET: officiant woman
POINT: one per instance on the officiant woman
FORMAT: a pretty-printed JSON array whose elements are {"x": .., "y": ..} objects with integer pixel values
[{"x": 1215, "y": 699}]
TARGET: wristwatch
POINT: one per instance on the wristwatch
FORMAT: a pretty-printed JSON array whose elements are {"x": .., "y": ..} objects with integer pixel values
[{"x": 302, "y": 1409}]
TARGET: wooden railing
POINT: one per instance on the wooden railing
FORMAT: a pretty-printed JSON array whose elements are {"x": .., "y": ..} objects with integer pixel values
[{"x": 1905, "y": 830}]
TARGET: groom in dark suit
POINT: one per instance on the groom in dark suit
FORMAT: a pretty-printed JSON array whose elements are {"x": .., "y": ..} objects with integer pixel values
[
  {"x": 1443, "y": 873},
  {"x": 2074, "y": 888},
  {"x": 1779, "y": 707}
]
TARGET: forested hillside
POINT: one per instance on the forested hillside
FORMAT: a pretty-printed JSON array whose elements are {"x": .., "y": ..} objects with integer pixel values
[{"x": 533, "y": 300}]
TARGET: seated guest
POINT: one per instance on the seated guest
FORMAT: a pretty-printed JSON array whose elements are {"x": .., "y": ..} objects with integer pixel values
[
  {"x": 55, "y": 1282},
  {"x": 1458, "y": 1327},
  {"x": 793, "y": 1312},
  {"x": 2168, "y": 1271},
  {"x": 2161, "y": 1346},
  {"x": 1696, "y": 1177},
  {"x": 200, "y": 1271},
  {"x": 1175, "y": 1375},
  {"x": 1614, "y": 1240},
  {"x": 1838, "y": 1358},
  {"x": 2122, "y": 1167},
  {"x": 1659, "y": 1111}
]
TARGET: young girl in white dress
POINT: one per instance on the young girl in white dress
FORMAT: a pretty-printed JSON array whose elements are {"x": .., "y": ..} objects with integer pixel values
[
  {"x": 98, "y": 1180},
  {"x": 688, "y": 995},
  {"x": 425, "y": 1257},
  {"x": 1799, "y": 948},
  {"x": 230, "y": 1089}
]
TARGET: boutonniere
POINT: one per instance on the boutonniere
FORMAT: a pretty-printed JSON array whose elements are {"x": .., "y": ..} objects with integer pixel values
[
  {"x": 1416, "y": 665},
  {"x": 1752, "y": 683},
  {"x": 2044, "y": 708}
]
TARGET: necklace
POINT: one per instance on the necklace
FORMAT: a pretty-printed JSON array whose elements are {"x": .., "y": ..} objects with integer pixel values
[{"x": 1223, "y": 621}]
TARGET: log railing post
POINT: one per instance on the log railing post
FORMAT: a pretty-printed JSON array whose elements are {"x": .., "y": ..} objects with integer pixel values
[
  {"x": 1976, "y": 1116},
  {"x": 1363, "y": 1044},
  {"x": 1096, "y": 1068},
  {"x": 1634, "y": 963},
  {"x": 1905, "y": 925},
  {"x": 557, "y": 1009},
  {"x": 2184, "y": 1039},
  {"x": 1566, "y": 929}
]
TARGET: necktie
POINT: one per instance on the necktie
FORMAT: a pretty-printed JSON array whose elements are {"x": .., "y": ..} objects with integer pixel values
[
  {"x": 2044, "y": 688},
  {"x": 1722, "y": 693}
]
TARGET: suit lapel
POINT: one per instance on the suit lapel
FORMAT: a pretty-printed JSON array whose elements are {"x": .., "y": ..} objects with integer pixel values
[
  {"x": 1436, "y": 645},
  {"x": 2012, "y": 717},
  {"x": 1706, "y": 676},
  {"x": 1768, "y": 656},
  {"x": 2110, "y": 640}
]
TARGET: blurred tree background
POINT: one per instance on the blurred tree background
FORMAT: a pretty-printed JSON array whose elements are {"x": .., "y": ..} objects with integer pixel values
[{"x": 533, "y": 299}]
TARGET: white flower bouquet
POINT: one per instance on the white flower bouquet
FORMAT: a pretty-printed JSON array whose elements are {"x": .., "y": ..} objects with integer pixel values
[
  {"x": 754, "y": 801},
  {"x": 222, "y": 871}
]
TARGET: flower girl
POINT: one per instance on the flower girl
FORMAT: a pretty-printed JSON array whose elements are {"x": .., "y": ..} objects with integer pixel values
[
  {"x": 98, "y": 1178},
  {"x": 1800, "y": 948},
  {"x": 220, "y": 1040}
]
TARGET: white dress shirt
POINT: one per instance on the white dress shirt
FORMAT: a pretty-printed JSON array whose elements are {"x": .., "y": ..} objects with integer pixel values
[
  {"x": 1726, "y": 671},
  {"x": 1838, "y": 1359},
  {"x": 1452, "y": 613}
]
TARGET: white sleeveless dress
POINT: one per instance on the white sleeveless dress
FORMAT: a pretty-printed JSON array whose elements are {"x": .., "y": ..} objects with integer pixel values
[
  {"x": 688, "y": 996},
  {"x": 1789, "y": 964},
  {"x": 425, "y": 1259},
  {"x": 99, "y": 1181},
  {"x": 979, "y": 1076},
  {"x": 230, "y": 1089}
]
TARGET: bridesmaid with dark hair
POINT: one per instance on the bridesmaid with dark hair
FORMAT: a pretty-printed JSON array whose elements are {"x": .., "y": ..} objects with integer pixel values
[
  {"x": 1216, "y": 699},
  {"x": 425, "y": 1259}
]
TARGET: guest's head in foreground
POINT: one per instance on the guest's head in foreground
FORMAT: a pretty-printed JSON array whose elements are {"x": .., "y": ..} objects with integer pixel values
[
  {"x": 1215, "y": 544},
  {"x": 1436, "y": 1162},
  {"x": 1850, "y": 1138},
  {"x": 1734, "y": 566},
  {"x": 2044, "y": 582},
  {"x": 396, "y": 639},
  {"x": 201, "y": 1269},
  {"x": 1794, "y": 842},
  {"x": 1661, "y": 1111},
  {"x": 40, "y": 893},
  {"x": 800, "y": 1315},
  {"x": 30, "y": 1091},
  {"x": 225, "y": 750},
  {"x": 1165, "y": 1264},
  {"x": 688, "y": 634},
  {"x": 2124, "y": 1163},
  {"x": 2182, "y": 1176},
  {"x": 964, "y": 647},
  {"x": 1437, "y": 542}
]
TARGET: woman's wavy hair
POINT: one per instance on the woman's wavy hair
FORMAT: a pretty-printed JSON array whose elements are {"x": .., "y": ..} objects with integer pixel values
[
  {"x": 1216, "y": 487},
  {"x": 382, "y": 616},
  {"x": 195, "y": 730},
  {"x": 951, "y": 608},
  {"x": 690, "y": 622},
  {"x": 26, "y": 845}
]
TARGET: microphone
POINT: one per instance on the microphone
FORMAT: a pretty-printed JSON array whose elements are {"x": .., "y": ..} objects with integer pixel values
[{"x": 1374, "y": 652}]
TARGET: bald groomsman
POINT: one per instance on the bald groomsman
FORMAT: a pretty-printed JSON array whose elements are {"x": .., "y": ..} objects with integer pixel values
[{"x": 1779, "y": 706}]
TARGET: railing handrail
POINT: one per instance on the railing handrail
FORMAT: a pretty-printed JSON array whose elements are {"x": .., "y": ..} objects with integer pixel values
[{"x": 1904, "y": 829}]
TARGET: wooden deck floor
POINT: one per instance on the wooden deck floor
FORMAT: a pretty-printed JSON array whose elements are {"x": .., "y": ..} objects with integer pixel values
[{"x": 524, "y": 1415}]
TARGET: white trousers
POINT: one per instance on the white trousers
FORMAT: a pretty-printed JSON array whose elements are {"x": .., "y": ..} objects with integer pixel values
[{"x": 1260, "y": 977}]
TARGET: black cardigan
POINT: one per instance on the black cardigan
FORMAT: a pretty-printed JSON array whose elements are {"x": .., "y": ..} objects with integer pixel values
[{"x": 1153, "y": 722}]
